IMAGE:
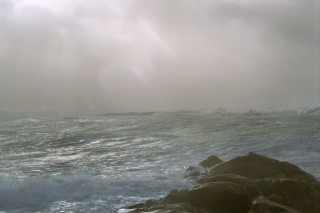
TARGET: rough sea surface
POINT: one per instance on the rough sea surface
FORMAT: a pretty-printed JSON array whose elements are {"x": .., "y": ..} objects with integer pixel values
[{"x": 104, "y": 163}]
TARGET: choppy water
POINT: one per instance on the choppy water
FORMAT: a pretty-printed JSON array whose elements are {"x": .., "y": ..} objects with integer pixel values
[{"x": 103, "y": 163}]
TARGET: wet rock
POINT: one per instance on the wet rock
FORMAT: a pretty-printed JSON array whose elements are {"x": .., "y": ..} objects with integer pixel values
[
  {"x": 257, "y": 166},
  {"x": 263, "y": 206},
  {"x": 211, "y": 161},
  {"x": 147, "y": 204},
  {"x": 193, "y": 171},
  {"x": 251, "y": 183},
  {"x": 219, "y": 196},
  {"x": 299, "y": 194},
  {"x": 171, "y": 208}
]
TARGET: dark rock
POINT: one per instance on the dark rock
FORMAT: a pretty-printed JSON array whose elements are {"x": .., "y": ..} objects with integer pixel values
[
  {"x": 171, "y": 208},
  {"x": 251, "y": 183},
  {"x": 147, "y": 204},
  {"x": 257, "y": 166},
  {"x": 252, "y": 187},
  {"x": 219, "y": 196},
  {"x": 192, "y": 172},
  {"x": 302, "y": 195},
  {"x": 261, "y": 205},
  {"x": 211, "y": 161}
]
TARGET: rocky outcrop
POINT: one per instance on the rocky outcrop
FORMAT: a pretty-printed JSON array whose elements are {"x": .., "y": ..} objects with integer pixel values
[
  {"x": 210, "y": 161},
  {"x": 251, "y": 183}
]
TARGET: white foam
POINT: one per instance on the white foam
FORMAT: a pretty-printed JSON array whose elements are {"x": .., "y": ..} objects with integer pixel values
[
  {"x": 35, "y": 193},
  {"x": 124, "y": 210}
]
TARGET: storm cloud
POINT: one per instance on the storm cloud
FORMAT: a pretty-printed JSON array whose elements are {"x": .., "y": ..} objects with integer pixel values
[{"x": 142, "y": 55}]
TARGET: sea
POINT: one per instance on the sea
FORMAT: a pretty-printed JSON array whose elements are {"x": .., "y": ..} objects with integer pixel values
[{"x": 106, "y": 162}]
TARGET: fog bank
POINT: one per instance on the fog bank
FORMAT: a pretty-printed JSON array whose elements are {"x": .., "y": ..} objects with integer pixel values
[{"x": 141, "y": 55}]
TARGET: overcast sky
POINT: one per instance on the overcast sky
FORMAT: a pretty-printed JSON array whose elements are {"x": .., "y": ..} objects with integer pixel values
[{"x": 146, "y": 55}]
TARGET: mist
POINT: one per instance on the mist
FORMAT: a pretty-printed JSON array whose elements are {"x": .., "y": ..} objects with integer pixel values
[{"x": 141, "y": 55}]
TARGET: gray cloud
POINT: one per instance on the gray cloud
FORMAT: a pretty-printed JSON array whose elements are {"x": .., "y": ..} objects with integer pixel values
[{"x": 157, "y": 55}]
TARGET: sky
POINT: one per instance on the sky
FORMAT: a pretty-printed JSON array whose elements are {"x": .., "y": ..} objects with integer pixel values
[{"x": 158, "y": 55}]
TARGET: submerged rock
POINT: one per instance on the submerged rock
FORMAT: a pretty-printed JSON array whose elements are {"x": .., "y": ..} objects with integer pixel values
[{"x": 251, "y": 183}]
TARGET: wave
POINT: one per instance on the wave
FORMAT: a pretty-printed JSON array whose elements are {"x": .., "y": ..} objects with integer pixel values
[
  {"x": 23, "y": 120},
  {"x": 36, "y": 193},
  {"x": 74, "y": 192},
  {"x": 313, "y": 111},
  {"x": 130, "y": 114},
  {"x": 258, "y": 111}
]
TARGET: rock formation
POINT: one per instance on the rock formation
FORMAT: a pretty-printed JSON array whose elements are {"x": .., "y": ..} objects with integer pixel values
[{"x": 251, "y": 183}]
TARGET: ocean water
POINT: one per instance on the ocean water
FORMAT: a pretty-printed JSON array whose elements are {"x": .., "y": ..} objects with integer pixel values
[{"x": 104, "y": 163}]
